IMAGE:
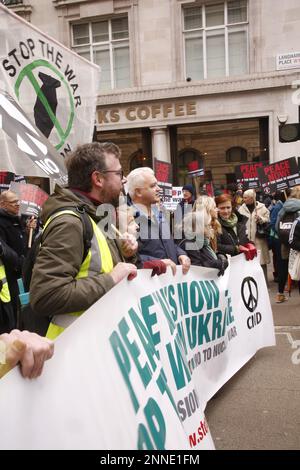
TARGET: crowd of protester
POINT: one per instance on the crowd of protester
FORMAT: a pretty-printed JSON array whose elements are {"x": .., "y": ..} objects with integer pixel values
[{"x": 73, "y": 270}]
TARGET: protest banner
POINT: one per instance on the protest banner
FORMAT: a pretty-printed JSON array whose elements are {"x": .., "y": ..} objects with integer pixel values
[
  {"x": 194, "y": 169},
  {"x": 247, "y": 175},
  {"x": 279, "y": 176},
  {"x": 5, "y": 179},
  {"x": 163, "y": 174},
  {"x": 31, "y": 198},
  {"x": 56, "y": 88},
  {"x": 136, "y": 370},
  {"x": 175, "y": 199}
]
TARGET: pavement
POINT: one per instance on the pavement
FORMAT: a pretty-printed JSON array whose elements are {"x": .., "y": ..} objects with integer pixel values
[{"x": 259, "y": 408}]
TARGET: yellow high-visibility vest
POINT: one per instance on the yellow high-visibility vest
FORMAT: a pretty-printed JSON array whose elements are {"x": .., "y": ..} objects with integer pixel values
[
  {"x": 98, "y": 260},
  {"x": 4, "y": 292}
]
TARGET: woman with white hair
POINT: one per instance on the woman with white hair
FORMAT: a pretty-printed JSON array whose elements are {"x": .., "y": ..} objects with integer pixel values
[{"x": 257, "y": 214}]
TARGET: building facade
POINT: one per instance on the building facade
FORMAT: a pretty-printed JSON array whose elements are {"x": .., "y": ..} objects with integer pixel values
[{"x": 184, "y": 80}]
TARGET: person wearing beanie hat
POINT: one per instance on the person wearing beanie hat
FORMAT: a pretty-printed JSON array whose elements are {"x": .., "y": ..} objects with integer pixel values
[
  {"x": 188, "y": 193},
  {"x": 186, "y": 204}
]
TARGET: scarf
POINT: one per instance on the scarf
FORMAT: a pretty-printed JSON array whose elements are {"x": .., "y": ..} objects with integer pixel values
[
  {"x": 231, "y": 222},
  {"x": 207, "y": 244}
]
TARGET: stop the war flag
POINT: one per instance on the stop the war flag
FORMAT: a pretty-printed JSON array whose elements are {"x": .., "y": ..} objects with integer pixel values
[{"x": 56, "y": 88}]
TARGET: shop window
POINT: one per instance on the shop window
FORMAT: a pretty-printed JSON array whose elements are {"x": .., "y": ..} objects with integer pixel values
[
  {"x": 106, "y": 43},
  {"x": 139, "y": 159},
  {"x": 236, "y": 155},
  {"x": 215, "y": 37}
]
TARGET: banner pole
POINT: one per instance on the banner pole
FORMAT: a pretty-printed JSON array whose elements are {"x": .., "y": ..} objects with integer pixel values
[{"x": 30, "y": 237}]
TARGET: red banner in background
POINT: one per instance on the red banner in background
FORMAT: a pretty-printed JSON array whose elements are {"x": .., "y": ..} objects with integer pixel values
[
  {"x": 163, "y": 171},
  {"x": 31, "y": 198},
  {"x": 194, "y": 169},
  {"x": 6, "y": 177}
]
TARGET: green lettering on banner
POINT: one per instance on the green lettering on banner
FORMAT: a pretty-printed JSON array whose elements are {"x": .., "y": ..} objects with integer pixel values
[
  {"x": 196, "y": 296},
  {"x": 144, "y": 372},
  {"x": 230, "y": 316},
  {"x": 203, "y": 322},
  {"x": 183, "y": 298},
  {"x": 172, "y": 302},
  {"x": 163, "y": 302},
  {"x": 164, "y": 387},
  {"x": 211, "y": 294},
  {"x": 181, "y": 335},
  {"x": 154, "y": 435},
  {"x": 124, "y": 364},
  {"x": 150, "y": 318},
  {"x": 145, "y": 338},
  {"x": 216, "y": 325},
  {"x": 191, "y": 327},
  {"x": 144, "y": 441},
  {"x": 178, "y": 364}
]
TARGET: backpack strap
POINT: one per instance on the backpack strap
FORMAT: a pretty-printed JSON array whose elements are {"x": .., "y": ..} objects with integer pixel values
[
  {"x": 87, "y": 229},
  {"x": 292, "y": 231},
  {"x": 80, "y": 211}
]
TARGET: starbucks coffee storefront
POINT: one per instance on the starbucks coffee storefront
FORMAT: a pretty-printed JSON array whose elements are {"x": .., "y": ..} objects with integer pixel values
[{"x": 219, "y": 129}]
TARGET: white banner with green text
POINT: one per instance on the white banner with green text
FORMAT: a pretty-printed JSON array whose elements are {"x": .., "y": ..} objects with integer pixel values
[{"x": 136, "y": 370}]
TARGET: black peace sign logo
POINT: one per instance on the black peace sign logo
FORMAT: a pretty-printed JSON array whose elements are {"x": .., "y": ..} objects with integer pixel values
[{"x": 250, "y": 293}]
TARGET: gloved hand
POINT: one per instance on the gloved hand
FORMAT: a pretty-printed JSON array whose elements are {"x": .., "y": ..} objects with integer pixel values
[
  {"x": 224, "y": 264},
  {"x": 252, "y": 250},
  {"x": 246, "y": 252},
  {"x": 158, "y": 267},
  {"x": 132, "y": 276}
]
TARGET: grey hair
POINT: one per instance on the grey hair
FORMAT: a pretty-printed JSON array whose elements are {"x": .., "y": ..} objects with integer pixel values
[
  {"x": 250, "y": 193},
  {"x": 137, "y": 178}
]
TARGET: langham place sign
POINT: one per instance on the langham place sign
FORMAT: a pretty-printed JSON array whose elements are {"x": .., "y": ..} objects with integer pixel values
[{"x": 146, "y": 112}]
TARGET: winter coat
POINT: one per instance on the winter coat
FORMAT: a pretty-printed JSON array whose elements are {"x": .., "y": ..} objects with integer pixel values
[
  {"x": 291, "y": 205},
  {"x": 54, "y": 289},
  {"x": 13, "y": 233},
  {"x": 155, "y": 239},
  {"x": 204, "y": 257},
  {"x": 229, "y": 240},
  {"x": 294, "y": 241},
  {"x": 261, "y": 243},
  {"x": 273, "y": 217},
  {"x": 7, "y": 316}
]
